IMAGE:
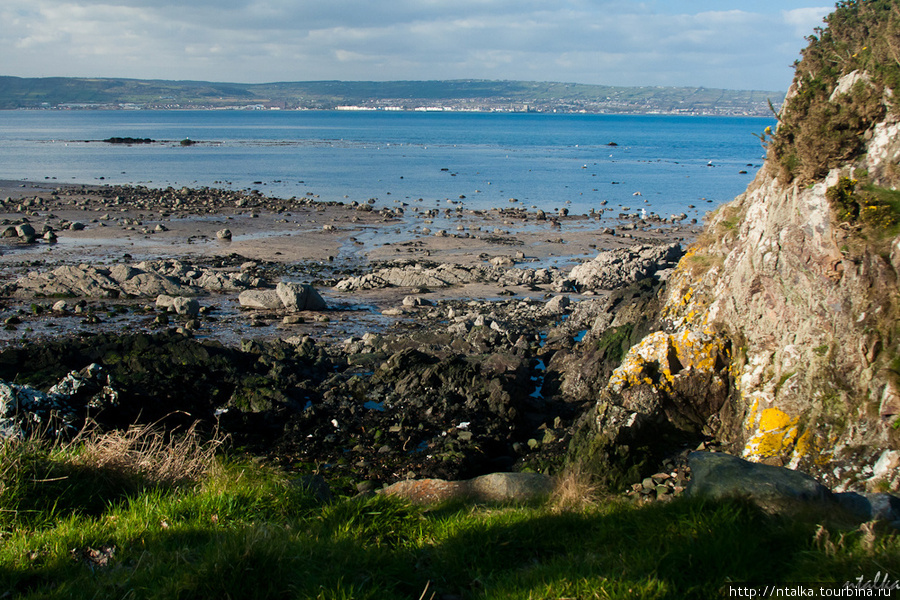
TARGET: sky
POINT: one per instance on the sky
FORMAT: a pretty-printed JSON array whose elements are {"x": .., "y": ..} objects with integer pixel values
[{"x": 748, "y": 45}]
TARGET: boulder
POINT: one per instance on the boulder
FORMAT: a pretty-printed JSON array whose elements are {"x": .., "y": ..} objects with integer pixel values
[
  {"x": 717, "y": 475},
  {"x": 557, "y": 304},
  {"x": 617, "y": 268},
  {"x": 416, "y": 301},
  {"x": 165, "y": 302},
  {"x": 300, "y": 296},
  {"x": 26, "y": 232},
  {"x": 260, "y": 300},
  {"x": 186, "y": 306},
  {"x": 224, "y": 234},
  {"x": 871, "y": 507},
  {"x": 496, "y": 487}
]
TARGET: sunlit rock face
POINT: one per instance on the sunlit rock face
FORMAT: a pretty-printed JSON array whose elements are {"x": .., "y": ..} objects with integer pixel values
[{"x": 782, "y": 319}]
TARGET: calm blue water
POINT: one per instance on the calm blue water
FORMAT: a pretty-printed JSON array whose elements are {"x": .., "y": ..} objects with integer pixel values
[{"x": 545, "y": 161}]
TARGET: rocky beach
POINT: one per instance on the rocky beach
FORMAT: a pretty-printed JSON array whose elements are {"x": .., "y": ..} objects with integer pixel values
[
  {"x": 249, "y": 361},
  {"x": 375, "y": 344}
]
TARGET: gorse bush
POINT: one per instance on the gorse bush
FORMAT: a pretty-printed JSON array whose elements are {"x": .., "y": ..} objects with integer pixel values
[
  {"x": 818, "y": 131},
  {"x": 866, "y": 207}
]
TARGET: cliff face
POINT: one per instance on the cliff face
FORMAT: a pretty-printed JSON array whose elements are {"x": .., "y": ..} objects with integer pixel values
[{"x": 781, "y": 337}]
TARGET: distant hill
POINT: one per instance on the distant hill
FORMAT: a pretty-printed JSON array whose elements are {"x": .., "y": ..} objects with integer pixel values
[{"x": 72, "y": 93}]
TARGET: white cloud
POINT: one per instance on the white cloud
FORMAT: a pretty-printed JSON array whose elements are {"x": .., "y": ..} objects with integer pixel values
[
  {"x": 804, "y": 20},
  {"x": 646, "y": 43}
]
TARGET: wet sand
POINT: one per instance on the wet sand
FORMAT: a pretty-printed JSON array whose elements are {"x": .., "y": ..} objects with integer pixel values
[
  {"x": 314, "y": 233},
  {"x": 335, "y": 239}
]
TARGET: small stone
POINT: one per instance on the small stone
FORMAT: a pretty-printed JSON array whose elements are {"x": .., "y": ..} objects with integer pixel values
[
  {"x": 364, "y": 487},
  {"x": 660, "y": 477}
]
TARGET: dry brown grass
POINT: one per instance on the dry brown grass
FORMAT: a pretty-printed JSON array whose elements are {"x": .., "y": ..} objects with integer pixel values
[
  {"x": 147, "y": 453},
  {"x": 575, "y": 491}
]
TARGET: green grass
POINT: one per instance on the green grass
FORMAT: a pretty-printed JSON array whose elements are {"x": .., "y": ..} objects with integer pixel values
[{"x": 243, "y": 530}]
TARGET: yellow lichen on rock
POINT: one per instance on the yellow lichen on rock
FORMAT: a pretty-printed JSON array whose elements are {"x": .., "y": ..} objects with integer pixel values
[
  {"x": 776, "y": 434},
  {"x": 659, "y": 357},
  {"x": 699, "y": 351},
  {"x": 652, "y": 350}
]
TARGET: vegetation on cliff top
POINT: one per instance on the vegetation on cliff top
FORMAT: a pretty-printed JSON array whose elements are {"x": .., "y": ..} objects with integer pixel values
[{"x": 817, "y": 132}]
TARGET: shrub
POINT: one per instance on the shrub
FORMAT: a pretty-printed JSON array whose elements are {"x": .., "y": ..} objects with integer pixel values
[
  {"x": 815, "y": 134},
  {"x": 871, "y": 208}
]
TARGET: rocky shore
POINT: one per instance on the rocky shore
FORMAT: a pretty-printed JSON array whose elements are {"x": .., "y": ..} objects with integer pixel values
[
  {"x": 361, "y": 345},
  {"x": 372, "y": 345}
]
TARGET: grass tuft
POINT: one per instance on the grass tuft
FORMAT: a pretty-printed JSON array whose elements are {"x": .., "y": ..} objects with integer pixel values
[
  {"x": 575, "y": 490},
  {"x": 147, "y": 455}
]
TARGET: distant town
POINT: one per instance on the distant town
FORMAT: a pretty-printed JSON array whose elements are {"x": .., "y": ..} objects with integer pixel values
[{"x": 418, "y": 96}]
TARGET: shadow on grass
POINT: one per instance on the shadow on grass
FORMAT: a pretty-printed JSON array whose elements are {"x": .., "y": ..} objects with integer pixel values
[{"x": 381, "y": 548}]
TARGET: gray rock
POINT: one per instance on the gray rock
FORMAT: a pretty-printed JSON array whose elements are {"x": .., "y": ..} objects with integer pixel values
[
  {"x": 224, "y": 234},
  {"x": 870, "y": 507},
  {"x": 557, "y": 304},
  {"x": 26, "y": 232},
  {"x": 617, "y": 268},
  {"x": 518, "y": 487},
  {"x": 260, "y": 300},
  {"x": 300, "y": 296},
  {"x": 144, "y": 280},
  {"x": 165, "y": 302},
  {"x": 416, "y": 301},
  {"x": 186, "y": 306},
  {"x": 24, "y": 410},
  {"x": 717, "y": 475}
]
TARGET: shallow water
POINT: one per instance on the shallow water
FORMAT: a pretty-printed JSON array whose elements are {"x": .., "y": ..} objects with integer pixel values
[{"x": 441, "y": 160}]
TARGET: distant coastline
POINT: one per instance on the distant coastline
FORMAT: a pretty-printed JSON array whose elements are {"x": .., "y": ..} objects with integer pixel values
[{"x": 68, "y": 93}]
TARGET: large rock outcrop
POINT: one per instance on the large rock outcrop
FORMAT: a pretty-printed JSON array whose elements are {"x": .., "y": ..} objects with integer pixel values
[
  {"x": 781, "y": 321},
  {"x": 146, "y": 279}
]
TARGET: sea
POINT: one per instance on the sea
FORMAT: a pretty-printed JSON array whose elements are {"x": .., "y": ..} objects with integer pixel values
[{"x": 660, "y": 164}]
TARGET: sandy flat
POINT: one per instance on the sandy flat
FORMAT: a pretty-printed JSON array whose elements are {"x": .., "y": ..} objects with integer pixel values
[{"x": 339, "y": 238}]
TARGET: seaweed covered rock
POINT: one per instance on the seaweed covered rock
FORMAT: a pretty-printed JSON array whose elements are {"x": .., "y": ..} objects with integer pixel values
[{"x": 60, "y": 411}]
